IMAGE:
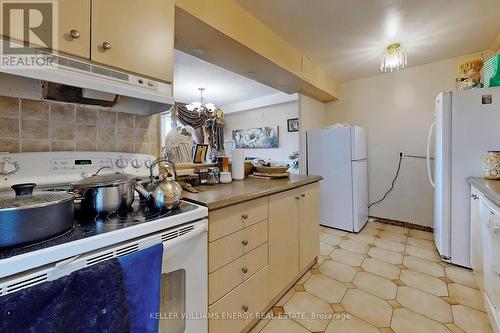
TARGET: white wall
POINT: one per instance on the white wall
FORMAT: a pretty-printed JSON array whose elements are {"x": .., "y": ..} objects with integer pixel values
[
  {"x": 275, "y": 115},
  {"x": 397, "y": 109},
  {"x": 312, "y": 114}
]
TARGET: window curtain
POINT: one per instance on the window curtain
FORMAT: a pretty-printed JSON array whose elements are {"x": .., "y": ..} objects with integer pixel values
[
  {"x": 192, "y": 118},
  {"x": 210, "y": 126}
]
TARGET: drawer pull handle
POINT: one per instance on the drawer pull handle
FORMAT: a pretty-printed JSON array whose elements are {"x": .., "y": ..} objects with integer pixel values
[
  {"x": 244, "y": 308},
  {"x": 244, "y": 216},
  {"x": 244, "y": 270},
  {"x": 244, "y": 242},
  {"x": 74, "y": 34},
  {"x": 303, "y": 195}
]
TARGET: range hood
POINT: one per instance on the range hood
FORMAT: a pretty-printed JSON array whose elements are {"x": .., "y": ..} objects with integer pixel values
[{"x": 99, "y": 80}]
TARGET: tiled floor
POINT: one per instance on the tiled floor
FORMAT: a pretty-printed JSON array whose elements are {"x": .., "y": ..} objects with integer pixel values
[{"x": 384, "y": 279}]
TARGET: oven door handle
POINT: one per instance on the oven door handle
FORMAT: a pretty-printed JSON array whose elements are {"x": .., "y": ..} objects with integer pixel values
[{"x": 198, "y": 230}]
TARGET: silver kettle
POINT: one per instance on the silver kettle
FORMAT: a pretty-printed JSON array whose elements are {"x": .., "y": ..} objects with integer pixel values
[{"x": 162, "y": 193}]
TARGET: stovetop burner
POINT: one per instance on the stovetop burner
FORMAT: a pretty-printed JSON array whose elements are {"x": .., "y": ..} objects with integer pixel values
[
  {"x": 138, "y": 213},
  {"x": 88, "y": 226}
]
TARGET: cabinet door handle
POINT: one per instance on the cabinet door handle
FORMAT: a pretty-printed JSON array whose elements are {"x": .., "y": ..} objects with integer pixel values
[
  {"x": 244, "y": 308},
  {"x": 106, "y": 45},
  {"x": 297, "y": 198},
  {"x": 244, "y": 216},
  {"x": 303, "y": 195},
  {"x": 244, "y": 270},
  {"x": 244, "y": 242},
  {"x": 74, "y": 34}
]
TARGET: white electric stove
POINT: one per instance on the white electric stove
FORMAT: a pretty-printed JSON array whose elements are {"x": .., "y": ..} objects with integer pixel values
[{"x": 183, "y": 231}]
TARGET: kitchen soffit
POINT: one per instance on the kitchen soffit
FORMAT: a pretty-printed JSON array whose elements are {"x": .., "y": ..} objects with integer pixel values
[{"x": 222, "y": 86}]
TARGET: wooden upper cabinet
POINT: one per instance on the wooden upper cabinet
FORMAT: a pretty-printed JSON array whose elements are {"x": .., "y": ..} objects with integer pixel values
[
  {"x": 74, "y": 27},
  {"x": 136, "y": 36}
]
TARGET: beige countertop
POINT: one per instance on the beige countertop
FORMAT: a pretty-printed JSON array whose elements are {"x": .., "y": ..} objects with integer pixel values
[
  {"x": 490, "y": 188},
  {"x": 223, "y": 195}
]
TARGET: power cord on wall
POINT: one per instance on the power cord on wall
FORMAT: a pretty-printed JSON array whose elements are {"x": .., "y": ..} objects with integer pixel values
[{"x": 392, "y": 184}]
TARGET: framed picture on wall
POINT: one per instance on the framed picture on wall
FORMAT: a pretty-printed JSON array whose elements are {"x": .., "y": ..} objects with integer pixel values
[
  {"x": 293, "y": 125},
  {"x": 261, "y": 137},
  {"x": 200, "y": 153}
]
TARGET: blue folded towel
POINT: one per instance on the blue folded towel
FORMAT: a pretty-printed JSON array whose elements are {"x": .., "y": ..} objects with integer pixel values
[
  {"x": 88, "y": 300},
  {"x": 142, "y": 278}
]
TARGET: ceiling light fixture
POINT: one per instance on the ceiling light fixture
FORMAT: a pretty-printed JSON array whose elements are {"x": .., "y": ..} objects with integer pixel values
[
  {"x": 393, "y": 58},
  {"x": 198, "y": 106}
]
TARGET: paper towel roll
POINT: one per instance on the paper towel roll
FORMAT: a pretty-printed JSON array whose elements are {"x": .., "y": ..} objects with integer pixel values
[{"x": 238, "y": 164}]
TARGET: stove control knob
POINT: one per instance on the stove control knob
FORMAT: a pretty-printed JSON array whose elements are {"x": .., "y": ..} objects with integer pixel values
[
  {"x": 8, "y": 168},
  {"x": 147, "y": 164},
  {"x": 121, "y": 163},
  {"x": 136, "y": 163}
]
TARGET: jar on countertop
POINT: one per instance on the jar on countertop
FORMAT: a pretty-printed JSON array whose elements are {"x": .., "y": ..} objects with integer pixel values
[
  {"x": 213, "y": 176},
  {"x": 203, "y": 173},
  {"x": 491, "y": 165}
]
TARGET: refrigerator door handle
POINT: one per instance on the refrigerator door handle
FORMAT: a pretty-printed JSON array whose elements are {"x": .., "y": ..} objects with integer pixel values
[{"x": 428, "y": 156}]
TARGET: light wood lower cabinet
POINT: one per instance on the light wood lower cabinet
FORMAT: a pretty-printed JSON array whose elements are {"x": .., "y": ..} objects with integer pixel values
[
  {"x": 235, "y": 311},
  {"x": 233, "y": 218},
  {"x": 308, "y": 225},
  {"x": 224, "y": 250},
  {"x": 256, "y": 251},
  {"x": 283, "y": 239},
  {"x": 235, "y": 273}
]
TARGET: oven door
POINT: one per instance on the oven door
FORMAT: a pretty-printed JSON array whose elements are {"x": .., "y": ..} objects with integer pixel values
[
  {"x": 184, "y": 280},
  {"x": 184, "y": 283}
]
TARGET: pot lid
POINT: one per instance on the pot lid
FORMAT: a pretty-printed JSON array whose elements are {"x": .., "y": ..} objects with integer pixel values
[
  {"x": 111, "y": 179},
  {"x": 25, "y": 197}
]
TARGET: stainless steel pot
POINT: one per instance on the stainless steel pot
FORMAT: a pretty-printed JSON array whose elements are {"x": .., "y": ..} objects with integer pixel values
[
  {"x": 29, "y": 217},
  {"x": 101, "y": 194}
]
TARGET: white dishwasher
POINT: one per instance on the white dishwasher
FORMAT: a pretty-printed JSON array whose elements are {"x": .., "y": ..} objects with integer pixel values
[{"x": 490, "y": 215}]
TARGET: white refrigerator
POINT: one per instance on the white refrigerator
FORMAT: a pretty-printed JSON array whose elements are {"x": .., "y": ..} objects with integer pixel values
[
  {"x": 467, "y": 126},
  {"x": 338, "y": 154}
]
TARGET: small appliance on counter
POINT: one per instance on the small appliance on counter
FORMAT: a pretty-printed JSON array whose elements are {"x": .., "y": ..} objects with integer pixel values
[{"x": 93, "y": 236}]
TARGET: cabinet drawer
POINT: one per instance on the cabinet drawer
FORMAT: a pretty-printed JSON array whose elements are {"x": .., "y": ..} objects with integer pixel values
[
  {"x": 243, "y": 304},
  {"x": 227, "y": 220},
  {"x": 230, "y": 276},
  {"x": 229, "y": 248}
]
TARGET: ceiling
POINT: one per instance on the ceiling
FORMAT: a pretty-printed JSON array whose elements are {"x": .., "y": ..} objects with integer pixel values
[
  {"x": 346, "y": 37},
  {"x": 222, "y": 87}
]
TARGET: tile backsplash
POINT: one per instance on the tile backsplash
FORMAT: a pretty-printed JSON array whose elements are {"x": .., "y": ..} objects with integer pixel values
[{"x": 28, "y": 126}]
